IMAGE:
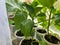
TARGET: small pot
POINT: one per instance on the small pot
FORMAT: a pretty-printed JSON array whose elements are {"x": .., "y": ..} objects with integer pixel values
[
  {"x": 12, "y": 27},
  {"x": 35, "y": 27},
  {"x": 11, "y": 17},
  {"x": 18, "y": 35},
  {"x": 51, "y": 40},
  {"x": 40, "y": 33},
  {"x": 28, "y": 42}
]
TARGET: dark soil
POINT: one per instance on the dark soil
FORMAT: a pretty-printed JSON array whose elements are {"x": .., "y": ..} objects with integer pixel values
[
  {"x": 35, "y": 26},
  {"x": 51, "y": 39},
  {"x": 13, "y": 23},
  {"x": 19, "y": 33},
  {"x": 28, "y": 42},
  {"x": 41, "y": 31}
]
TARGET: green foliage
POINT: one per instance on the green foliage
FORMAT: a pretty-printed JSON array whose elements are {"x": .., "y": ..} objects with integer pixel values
[
  {"x": 32, "y": 9},
  {"x": 16, "y": 1},
  {"x": 34, "y": 3},
  {"x": 57, "y": 21},
  {"x": 41, "y": 16},
  {"x": 42, "y": 19},
  {"x": 29, "y": 8},
  {"x": 19, "y": 17},
  {"x": 53, "y": 10},
  {"x": 9, "y": 8},
  {"x": 37, "y": 9},
  {"x": 11, "y": 21},
  {"x": 13, "y": 5},
  {"x": 47, "y": 3},
  {"x": 43, "y": 10},
  {"x": 21, "y": 10},
  {"x": 43, "y": 42},
  {"x": 57, "y": 11},
  {"x": 27, "y": 27},
  {"x": 57, "y": 17}
]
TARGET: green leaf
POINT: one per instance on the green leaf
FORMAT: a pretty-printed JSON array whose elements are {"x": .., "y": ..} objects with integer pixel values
[
  {"x": 19, "y": 17},
  {"x": 57, "y": 17},
  {"x": 43, "y": 10},
  {"x": 13, "y": 4},
  {"x": 29, "y": 8},
  {"x": 53, "y": 10},
  {"x": 9, "y": 5},
  {"x": 27, "y": 27},
  {"x": 34, "y": 3},
  {"x": 56, "y": 21},
  {"x": 37, "y": 9},
  {"x": 47, "y": 3},
  {"x": 8, "y": 9},
  {"x": 32, "y": 9},
  {"x": 42, "y": 16},
  {"x": 42, "y": 19},
  {"x": 57, "y": 11},
  {"x": 16, "y": 1},
  {"x": 11, "y": 21},
  {"x": 32, "y": 16}
]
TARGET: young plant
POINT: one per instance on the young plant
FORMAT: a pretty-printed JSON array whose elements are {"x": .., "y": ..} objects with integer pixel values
[
  {"x": 20, "y": 19},
  {"x": 21, "y": 12},
  {"x": 48, "y": 4},
  {"x": 35, "y": 10},
  {"x": 12, "y": 6},
  {"x": 20, "y": 16}
]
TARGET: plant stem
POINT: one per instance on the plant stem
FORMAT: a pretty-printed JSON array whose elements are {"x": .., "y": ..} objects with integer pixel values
[
  {"x": 32, "y": 40},
  {"x": 43, "y": 24},
  {"x": 31, "y": 33},
  {"x": 49, "y": 22}
]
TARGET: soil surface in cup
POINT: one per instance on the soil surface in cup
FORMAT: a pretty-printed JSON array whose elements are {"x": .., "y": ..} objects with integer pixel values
[
  {"x": 13, "y": 23},
  {"x": 28, "y": 42},
  {"x": 35, "y": 26},
  {"x": 52, "y": 39},
  {"x": 41, "y": 31},
  {"x": 19, "y": 33}
]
